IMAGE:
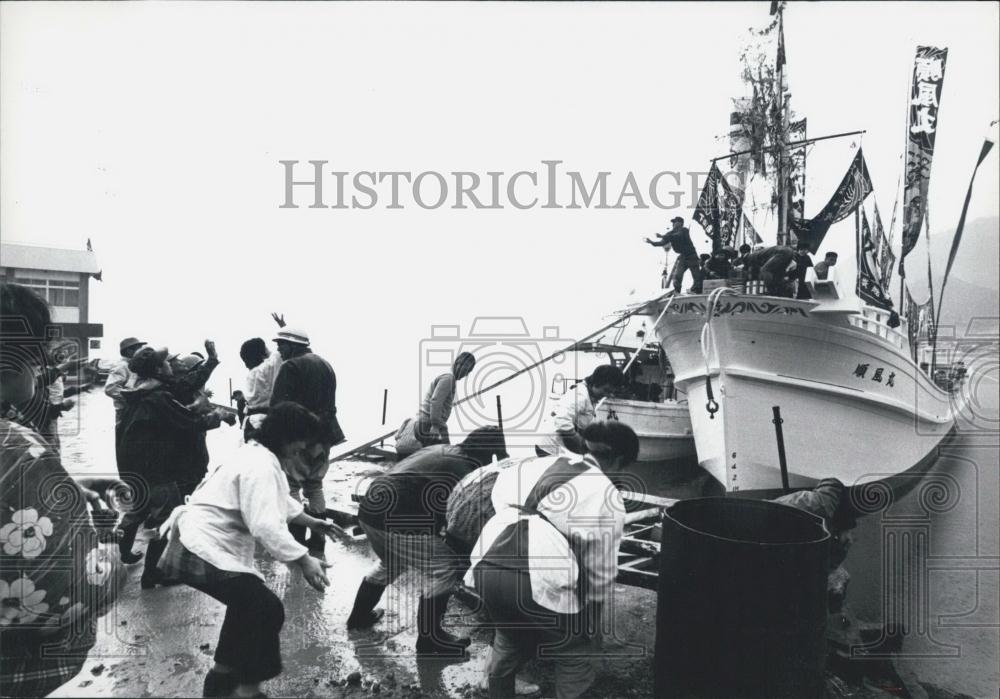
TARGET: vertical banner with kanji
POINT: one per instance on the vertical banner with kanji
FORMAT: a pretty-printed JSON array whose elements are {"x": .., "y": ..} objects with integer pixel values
[
  {"x": 796, "y": 173},
  {"x": 925, "y": 99}
]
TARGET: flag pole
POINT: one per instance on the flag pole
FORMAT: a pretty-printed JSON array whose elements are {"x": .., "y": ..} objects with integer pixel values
[
  {"x": 984, "y": 151},
  {"x": 789, "y": 146}
]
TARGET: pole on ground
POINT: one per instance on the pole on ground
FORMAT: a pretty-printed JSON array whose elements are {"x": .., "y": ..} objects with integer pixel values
[
  {"x": 781, "y": 446},
  {"x": 385, "y": 403},
  {"x": 503, "y": 439},
  {"x": 230, "y": 393}
]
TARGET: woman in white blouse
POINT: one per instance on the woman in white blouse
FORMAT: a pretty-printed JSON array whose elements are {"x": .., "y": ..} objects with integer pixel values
[{"x": 212, "y": 542}]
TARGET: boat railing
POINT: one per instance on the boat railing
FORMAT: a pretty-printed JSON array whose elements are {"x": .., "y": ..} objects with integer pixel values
[{"x": 876, "y": 321}]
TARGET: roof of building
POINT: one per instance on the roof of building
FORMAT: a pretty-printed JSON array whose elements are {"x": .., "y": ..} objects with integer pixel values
[{"x": 20, "y": 256}]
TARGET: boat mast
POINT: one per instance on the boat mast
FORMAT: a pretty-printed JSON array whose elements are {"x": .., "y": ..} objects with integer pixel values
[{"x": 782, "y": 122}]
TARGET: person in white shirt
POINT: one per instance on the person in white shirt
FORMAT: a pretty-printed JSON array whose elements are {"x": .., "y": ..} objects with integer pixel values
[
  {"x": 243, "y": 502},
  {"x": 563, "y": 427},
  {"x": 546, "y": 562},
  {"x": 263, "y": 366}
]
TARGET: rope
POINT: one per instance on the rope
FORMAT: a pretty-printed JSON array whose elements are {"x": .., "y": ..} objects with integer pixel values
[
  {"x": 635, "y": 355},
  {"x": 708, "y": 339},
  {"x": 570, "y": 348}
]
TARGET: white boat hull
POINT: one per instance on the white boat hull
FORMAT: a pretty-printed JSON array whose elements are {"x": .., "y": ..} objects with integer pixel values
[
  {"x": 664, "y": 429},
  {"x": 854, "y": 405}
]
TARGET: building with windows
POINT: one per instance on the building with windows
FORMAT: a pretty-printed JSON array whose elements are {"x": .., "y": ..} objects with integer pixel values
[{"x": 61, "y": 277}]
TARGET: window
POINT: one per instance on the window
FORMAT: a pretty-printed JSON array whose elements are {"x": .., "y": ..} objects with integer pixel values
[{"x": 56, "y": 292}]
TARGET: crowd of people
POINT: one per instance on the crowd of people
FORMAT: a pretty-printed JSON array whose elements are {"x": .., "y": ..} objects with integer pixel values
[
  {"x": 780, "y": 268},
  {"x": 535, "y": 537},
  {"x": 452, "y": 512}
]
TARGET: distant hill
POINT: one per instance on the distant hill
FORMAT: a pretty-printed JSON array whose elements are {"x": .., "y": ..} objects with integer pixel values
[
  {"x": 978, "y": 260},
  {"x": 972, "y": 292},
  {"x": 966, "y": 304}
]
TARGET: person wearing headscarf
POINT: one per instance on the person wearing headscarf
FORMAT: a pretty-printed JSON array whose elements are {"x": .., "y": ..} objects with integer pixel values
[
  {"x": 562, "y": 430},
  {"x": 56, "y": 580}
]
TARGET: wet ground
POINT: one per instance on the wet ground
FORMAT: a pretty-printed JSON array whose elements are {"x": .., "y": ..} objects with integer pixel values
[
  {"x": 945, "y": 588},
  {"x": 160, "y": 642}
]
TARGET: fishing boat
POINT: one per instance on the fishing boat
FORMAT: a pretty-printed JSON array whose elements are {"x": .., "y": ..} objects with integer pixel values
[
  {"x": 783, "y": 392},
  {"x": 649, "y": 403}
]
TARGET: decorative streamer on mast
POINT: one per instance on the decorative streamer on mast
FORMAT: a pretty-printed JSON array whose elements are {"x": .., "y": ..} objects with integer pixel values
[
  {"x": 925, "y": 99},
  {"x": 796, "y": 180},
  {"x": 851, "y": 192},
  {"x": 956, "y": 241},
  {"x": 869, "y": 286}
]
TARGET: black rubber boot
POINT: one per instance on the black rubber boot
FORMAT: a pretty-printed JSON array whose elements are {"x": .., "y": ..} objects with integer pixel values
[
  {"x": 125, "y": 545},
  {"x": 218, "y": 684},
  {"x": 432, "y": 639},
  {"x": 151, "y": 575},
  {"x": 503, "y": 687},
  {"x": 364, "y": 615}
]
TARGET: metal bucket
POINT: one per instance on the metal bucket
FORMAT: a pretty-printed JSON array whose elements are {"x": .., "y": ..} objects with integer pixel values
[{"x": 741, "y": 602}]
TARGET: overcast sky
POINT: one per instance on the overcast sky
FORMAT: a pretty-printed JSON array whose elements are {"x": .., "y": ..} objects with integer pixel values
[{"x": 155, "y": 130}]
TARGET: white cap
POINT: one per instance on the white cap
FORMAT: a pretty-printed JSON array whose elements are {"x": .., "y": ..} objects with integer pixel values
[{"x": 293, "y": 335}]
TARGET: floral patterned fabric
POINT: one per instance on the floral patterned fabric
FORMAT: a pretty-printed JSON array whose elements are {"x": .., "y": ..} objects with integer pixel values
[{"x": 52, "y": 568}]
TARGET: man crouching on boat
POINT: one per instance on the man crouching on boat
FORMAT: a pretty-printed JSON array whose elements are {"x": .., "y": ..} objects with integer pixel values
[{"x": 563, "y": 429}]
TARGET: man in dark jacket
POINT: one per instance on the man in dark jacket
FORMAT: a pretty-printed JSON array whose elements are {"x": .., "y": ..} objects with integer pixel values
[
  {"x": 404, "y": 514},
  {"x": 189, "y": 374},
  {"x": 679, "y": 238},
  {"x": 309, "y": 380},
  {"x": 160, "y": 438},
  {"x": 775, "y": 266}
]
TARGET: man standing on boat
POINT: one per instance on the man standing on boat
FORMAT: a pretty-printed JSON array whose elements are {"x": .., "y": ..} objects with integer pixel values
[
  {"x": 823, "y": 267},
  {"x": 802, "y": 263},
  {"x": 565, "y": 424},
  {"x": 308, "y": 379},
  {"x": 679, "y": 239}
]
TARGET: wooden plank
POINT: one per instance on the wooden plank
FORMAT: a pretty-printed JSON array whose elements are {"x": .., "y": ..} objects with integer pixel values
[
  {"x": 642, "y": 515},
  {"x": 652, "y": 500},
  {"x": 640, "y": 547}
]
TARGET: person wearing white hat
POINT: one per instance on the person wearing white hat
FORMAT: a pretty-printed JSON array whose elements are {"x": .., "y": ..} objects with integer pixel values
[{"x": 309, "y": 380}]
